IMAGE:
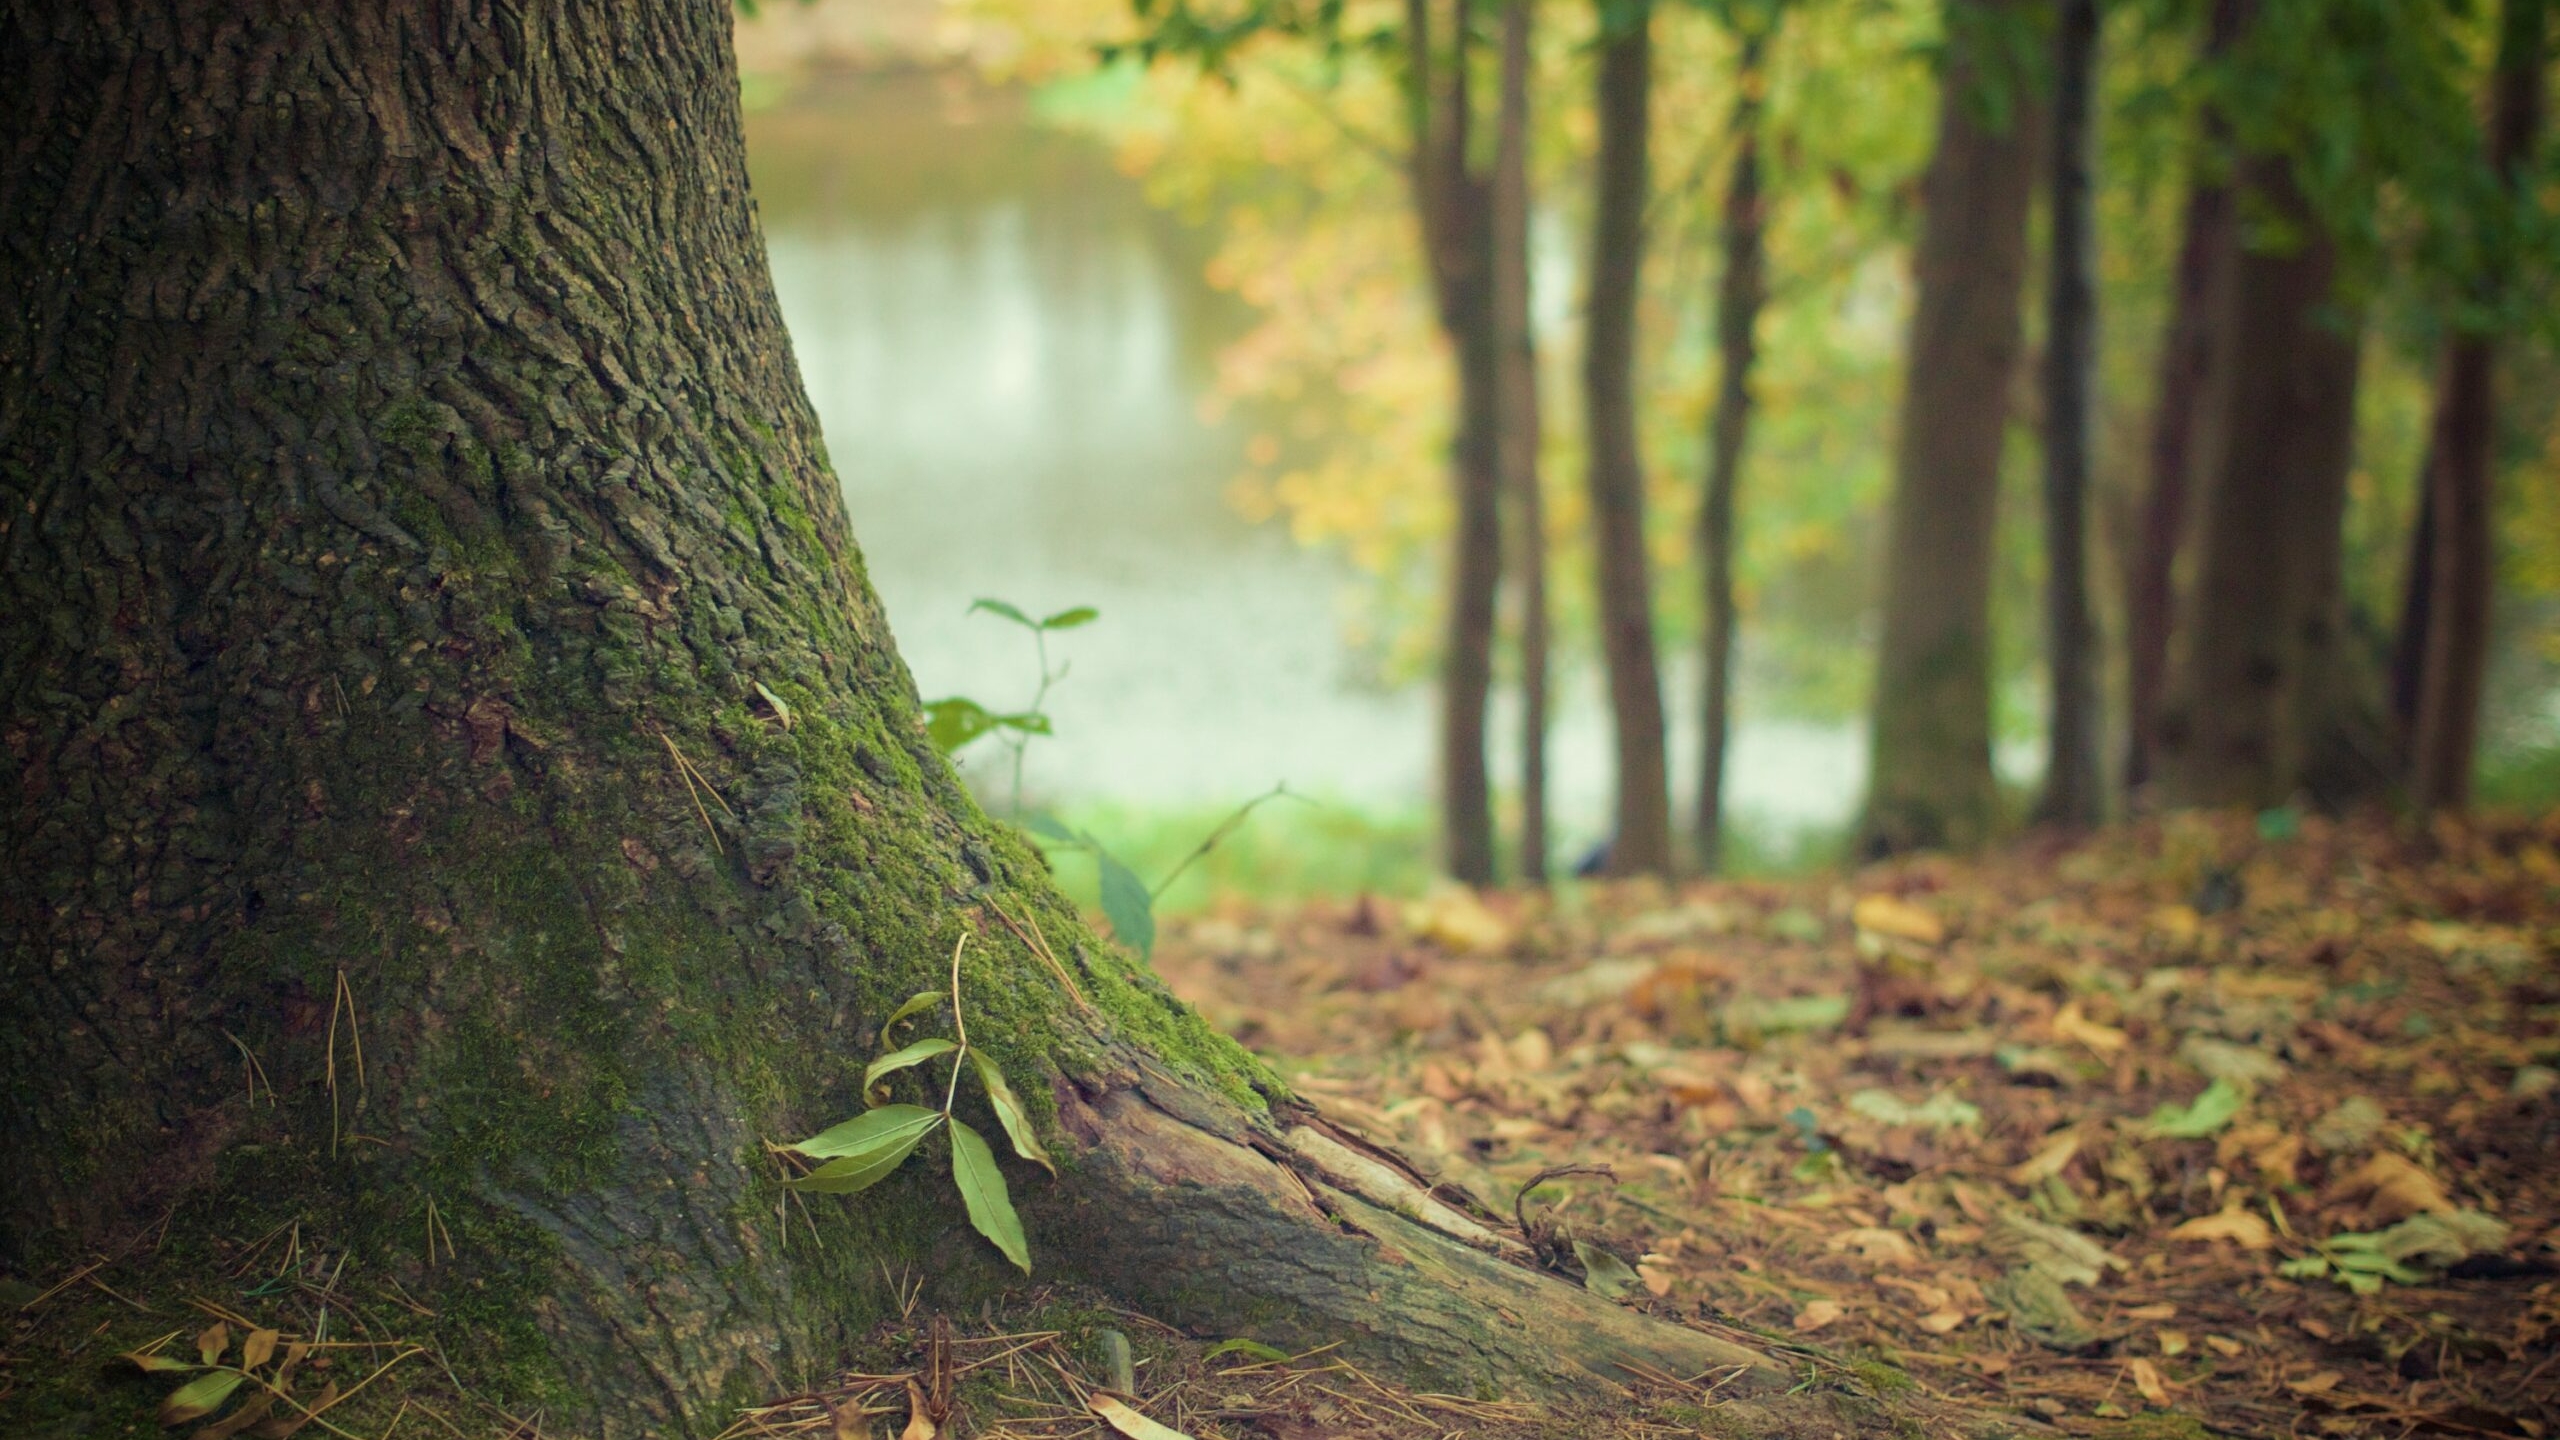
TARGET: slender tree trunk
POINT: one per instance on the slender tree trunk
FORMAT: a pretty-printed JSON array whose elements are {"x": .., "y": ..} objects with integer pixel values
[
  {"x": 1931, "y": 781},
  {"x": 1642, "y": 843},
  {"x": 2461, "y": 488},
  {"x": 1454, "y": 206},
  {"x": 2417, "y": 597},
  {"x": 2179, "y": 426},
  {"x": 2260, "y": 686},
  {"x": 1520, "y": 427},
  {"x": 1739, "y": 296},
  {"x": 409, "y": 518},
  {"x": 2073, "y": 795}
]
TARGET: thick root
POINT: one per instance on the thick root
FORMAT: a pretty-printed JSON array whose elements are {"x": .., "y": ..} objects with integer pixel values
[{"x": 1182, "y": 1207}]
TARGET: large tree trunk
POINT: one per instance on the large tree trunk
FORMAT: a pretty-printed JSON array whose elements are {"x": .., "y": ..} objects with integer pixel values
[
  {"x": 2256, "y": 702},
  {"x": 409, "y": 519},
  {"x": 2460, "y": 489},
  {"x": 1739, "y": 296},
  {"x": 1453, "y": 204},
  {"x": 1931, "y": 782},
  {"x": 2179, "y": 425},
  {"x": 2072, "y": 793},
  {"x": 1520, "y": 427},
  {"x": 1642, "y": 842}
]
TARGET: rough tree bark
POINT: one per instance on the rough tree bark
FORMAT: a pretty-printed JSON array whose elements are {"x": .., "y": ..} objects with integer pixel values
[
  {"x": 2179, "y": 424},
  {"x": 410, "y": 517},
  {"x": 1739, "y": 296},
  {"x": 1521, "y": 430},
  {"x": 2459, "y": 490},
  {"x": 2257, "y": 692},
  {"x": 1453, "y": 202},
  {"x": 1641, "y": 844},
  {"x": 1931, "y": 781},
  {"x": 2073, "y": 796}
]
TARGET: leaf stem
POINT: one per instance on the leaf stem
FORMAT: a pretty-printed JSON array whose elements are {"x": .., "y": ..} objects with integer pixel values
[{"x": 960, "y": 1023}]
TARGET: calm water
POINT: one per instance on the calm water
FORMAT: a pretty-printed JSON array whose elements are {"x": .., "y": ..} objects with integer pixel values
[{"x": 1009, "y": 350}]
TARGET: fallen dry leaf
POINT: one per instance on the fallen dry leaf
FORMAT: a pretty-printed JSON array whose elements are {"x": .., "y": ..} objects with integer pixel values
[
  {"x": 2147, "y": 1379},
  {"x": 2241, "y": 1227},
  {"x": 2074, "y": 1027},
  {"x": 1900, "y": 919},
  {"x": 1121, "y": 1416},
  {"x": 2392, "y": 1187},
  {"x": 1816, "y": 1315}
]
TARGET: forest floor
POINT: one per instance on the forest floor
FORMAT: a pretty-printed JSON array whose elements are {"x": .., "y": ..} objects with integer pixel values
[
  {"x": 2203, "y": 1126},
  {"x": 2248, "y": 1125}
]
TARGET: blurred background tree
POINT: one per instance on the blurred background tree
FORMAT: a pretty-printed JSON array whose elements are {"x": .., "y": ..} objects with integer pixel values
[{"x": 2307, "y": 224}]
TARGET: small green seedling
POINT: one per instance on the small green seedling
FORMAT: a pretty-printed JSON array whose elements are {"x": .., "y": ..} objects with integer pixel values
[{"x": 954, "y": 721}]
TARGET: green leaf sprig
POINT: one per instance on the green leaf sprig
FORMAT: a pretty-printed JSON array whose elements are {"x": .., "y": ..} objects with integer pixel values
[{"x": 867, "y": 1149}]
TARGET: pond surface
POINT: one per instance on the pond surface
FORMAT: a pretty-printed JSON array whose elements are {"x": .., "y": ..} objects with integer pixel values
[{"x": 1009, "y": 351}]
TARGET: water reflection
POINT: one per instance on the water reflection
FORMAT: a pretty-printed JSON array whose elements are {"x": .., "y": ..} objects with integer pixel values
[{"x": 1008, "y": 349}]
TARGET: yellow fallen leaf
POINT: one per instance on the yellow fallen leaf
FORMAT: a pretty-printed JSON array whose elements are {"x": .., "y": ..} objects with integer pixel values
[
  {"x": 1939, "y": 1322},
  {"x": 2317, "y": 1384},
  {"x": 2172, "y": 1342},
  {"x": 1816, "y": 1315},
  {"x": 2157, "y": 1310},
  {"x": 2177, "y": 923},
  {"x": 2070, "y": 1024},
  {"x": 1900, "y": 919},
  {"x": 920, "y": 1425},
  {"x": 2241, "y": 1227},
  {"x": 1874, "y": 1242},
  {"x": 2396, "y": 1187},
  {"x": 1454, "y": 919},
  {"x": 2224, "y": 1345},
  {"x": 2048, "y": 1160},
  {"x": 1118, "y": 1414},
  {"x": 1657, "y": 1281},
  {"x": 2147, "y": 1379},
  {"x": 1925, "y": 1295}
]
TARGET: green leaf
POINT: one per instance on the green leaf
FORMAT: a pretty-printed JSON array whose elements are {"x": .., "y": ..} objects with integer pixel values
[
  {"x": 871, "y": 1131},
  {"x": 973, "y": 1167},
  {"x": 1010, "y": 612},
  {"x": 2212, "y": 1111},
  {"x": 781, "y": 711},
  {"x": 1940, "y": 1111},
  {"x": 1127, "y": 905},
  {"x": 199, "y": 1397},
  {"x": 1267, "y": 1354},
  {"x": 862, "y": 1169},
  {"x": 954, "y": 721},
  {"x": 1017, "y": 1121},
  {"x": 915, "y": 1005},
  {"x": 1049, "y": 827},
  {"x": 1070, "y": 619},
  {"x": 1604, "y": 1274},
  {"x": 156, "y": 1363},
  {"x": 905, "y": 1057}
]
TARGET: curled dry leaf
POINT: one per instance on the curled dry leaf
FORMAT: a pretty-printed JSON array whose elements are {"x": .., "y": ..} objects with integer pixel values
[{"x": 1816, "y": 1315}]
